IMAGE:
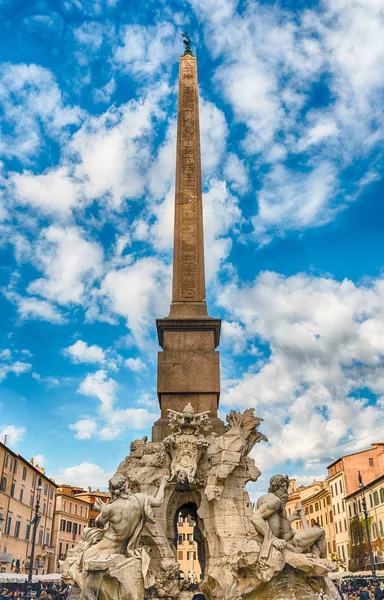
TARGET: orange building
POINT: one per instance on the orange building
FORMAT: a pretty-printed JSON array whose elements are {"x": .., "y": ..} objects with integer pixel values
[
  {"x": 19, "y": 483},
  {"x": 71, "y": 516},
  {"x": 316, "y": 501},
  {"x": 343, "y": 481},
  {"x": 187, "y": 558}
]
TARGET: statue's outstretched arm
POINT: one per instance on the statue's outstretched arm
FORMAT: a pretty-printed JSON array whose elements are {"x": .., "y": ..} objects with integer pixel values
[
  {"x": 103, "y": 517},
  {"x": 159, "y": 498}
]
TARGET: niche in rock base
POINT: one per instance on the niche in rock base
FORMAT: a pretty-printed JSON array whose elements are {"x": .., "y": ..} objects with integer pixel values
[{"x": 189, "y": 544}]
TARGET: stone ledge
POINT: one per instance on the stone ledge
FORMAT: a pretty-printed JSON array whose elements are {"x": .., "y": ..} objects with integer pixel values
[{"x": 192, "y": 324}]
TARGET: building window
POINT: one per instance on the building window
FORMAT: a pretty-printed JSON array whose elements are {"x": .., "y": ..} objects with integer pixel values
[
  {"x": 81, "y": 511},
  {"x": 15, "y": 466},
  {"x": 51, "y": 493},
  {"x": 10, "y": 463},
  {"x": 334, "y": 545},
  {"x": 24, "y": 475},
  {"x": 6, "y": 461},
  {"x": 74, "y": 531},
  {"x": 180, "y": 555},
  {"x": 31, "y": 500},
  {"x": 371, "y": 463},
  {"x": 69, "y": 526},
  {"x": 70, "y": 507},
  {"x": 17, "y": 529},
  {"x": 321, "y": 520},
  {"x": 8, "y": 525},
  {"x": 311, "y": 509},
  {"x": 342, "y": 550},
  {"x": 370, "y": 500},
  {"x": 47, "y": 538},
  {"x": 75, "y": 509},
  {"x": 359, "y": 505},
  {"x": 41, "y": 537},
  {"x": 79, "y": 529},
  {"x": 341, "y": 486},
  {"x": 376, "y": 498},
  {"x": 180, "y": 536},
  {"x": 328, "y": 500},
  {"x": 316, "y": 506},
  {"x": 13, "y": 488},
  {"x": 332, "y": 491},
  {"x": 44, "y": 508},
  {"x": 62, "y": 525},
  {"x": 326, "y": 519},
  {"x": 338, "y": 508},
  {"x": 60, "y": 549},
  {"x": 345, "y": 524},
  {"x": 336, "y": 527},
  {"x": 27, "y": 531},
  {"x": 190, "y": 555},
  {"x": 85, "y": 512},
  {"x": 330, "y": 517},
  {"x": 33, "y": 480},
  {"x": 381, "y": 528},
  {"x": 350, "y": 511},
  {"x": 21, "y": 494},
  {"x": 45, "y": 489},
  {"x": 374, "y": 530},
  {"x": 3, "y": 485}
]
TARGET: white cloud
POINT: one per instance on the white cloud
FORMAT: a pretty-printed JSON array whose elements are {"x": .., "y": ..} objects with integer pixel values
[
  {"x": 295, "y": 200},
  {"x": 33, "y": 308},
  {"x": 136, "y": 365},
  {"x": 85, "y": 429},
  {"x": 138, "y": 292},
  {"x": 31, "y": 101},
  {"x": 40, "y": 460},
  {"x": 52, "y": 192},
  {"x": 99, "y": 386},
  {"x": 80, "y": 352},
  {"x": 70, "y": 263},
  {"x": 326, "y": 348},
  {"x": 14, "y": 434},
  {"x": 83, "y": 475},
  {"x": 17, "y": 368},
  {"x": 48, "y": 380},
  {"x": 144, "y": 50}
]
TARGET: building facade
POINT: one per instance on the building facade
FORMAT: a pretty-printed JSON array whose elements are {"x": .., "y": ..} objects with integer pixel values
[
  {"x": 19, "y": 484},
  {"x": 316, "y": 501},
  {"x": 374, "y": 497},
  {"x": 343, "y": 481},
  {"x": 91, "y": 496},
  {"x": 187, "y": 555},
  {"x": 71, "y": 516}
]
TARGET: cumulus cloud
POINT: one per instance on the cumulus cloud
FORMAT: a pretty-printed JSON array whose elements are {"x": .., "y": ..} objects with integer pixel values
[
  {"x": 69, "y": 261},
  {"x": 98, "y": 385},
  {"x": 31, "y": 101},
  {"x": 14, "y": 434},
  {"x": 84, "y": 429},
  {"x": 326, "y": 351},
  {"x": 136, "y": 365},
  {"x": 83, "y": 475},
  {"x": 16, "y": 367},
  {"x": 80, "y": 352}
]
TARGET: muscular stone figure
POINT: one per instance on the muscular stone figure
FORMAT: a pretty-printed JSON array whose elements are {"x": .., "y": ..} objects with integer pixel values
[
  {"x": 123, "y": 519},
  {"x": 274, "y": 525}
]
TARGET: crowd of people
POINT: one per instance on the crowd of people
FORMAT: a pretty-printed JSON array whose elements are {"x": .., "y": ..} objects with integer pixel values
[
  {"x": 40, "y": 591},
  {"x": 360, "y": 589}
]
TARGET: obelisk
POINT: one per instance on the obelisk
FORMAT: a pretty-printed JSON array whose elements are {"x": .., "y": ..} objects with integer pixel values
[{"x": 188, "y": 365}]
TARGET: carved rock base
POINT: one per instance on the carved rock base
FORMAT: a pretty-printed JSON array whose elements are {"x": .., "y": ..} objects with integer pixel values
[{"x": 291, "y": 585}]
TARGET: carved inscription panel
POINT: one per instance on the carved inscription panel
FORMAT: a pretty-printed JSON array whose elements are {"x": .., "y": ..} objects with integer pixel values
[{"x": 187, "y": 200}]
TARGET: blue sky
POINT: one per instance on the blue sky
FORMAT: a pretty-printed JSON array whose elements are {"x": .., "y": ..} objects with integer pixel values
[{"x": 291, "y": 98}]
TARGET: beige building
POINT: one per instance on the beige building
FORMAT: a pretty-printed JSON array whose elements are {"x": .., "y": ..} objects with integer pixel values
[
  {"x": 374, "y": 497},
  {"x": 316, "y": 501},
  {"x": 19, "y": 483},
  {"x": 71, "y": 516},
  {"x": 187, "y": 549},
  {"x": 343, "y": 481}
]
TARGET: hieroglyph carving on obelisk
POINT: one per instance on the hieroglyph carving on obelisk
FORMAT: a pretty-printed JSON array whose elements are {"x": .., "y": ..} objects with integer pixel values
[{"x": 188, "y": 263}]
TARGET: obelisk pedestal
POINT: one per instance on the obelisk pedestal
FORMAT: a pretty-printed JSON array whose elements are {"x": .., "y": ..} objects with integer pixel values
[{"x": 188, "y": 366}]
